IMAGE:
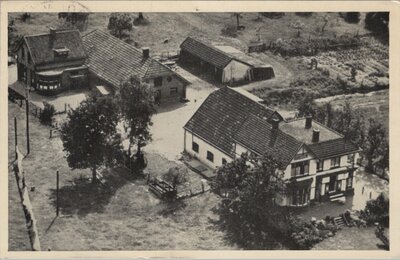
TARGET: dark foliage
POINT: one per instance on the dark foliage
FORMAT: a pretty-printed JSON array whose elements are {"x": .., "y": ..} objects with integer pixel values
[
  {"x": 377, "y": 22},
  {"x": 351, "y": 17},
  {"x": 304, "y": 14},
  {"x": 230, "y": 30},
  {"x": 377, "y": 211},
  {"x": 46, "y": 115},
  {"x": 137, "y": 104},
  {"x": 273, "y": 15},
  {"x": 90, "y": 136},
  {"x": 119, "y": 23},
  {"x": 24, "y": 17}
]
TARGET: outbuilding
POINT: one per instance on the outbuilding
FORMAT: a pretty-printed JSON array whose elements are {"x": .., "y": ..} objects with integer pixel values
[{"x": 225, "y": 63}]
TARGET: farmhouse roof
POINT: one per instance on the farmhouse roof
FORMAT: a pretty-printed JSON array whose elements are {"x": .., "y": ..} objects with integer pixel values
[
  {"x": 332, "y": 148},
  {"x": 222, "y": 114},
  {"x": 206, "y": 52},
  {"x": 297, "y": 129},
  {"x": 114, "y": 60},
  {"x": 41, "y": 46},
  {"x": 258, "y": 135}
]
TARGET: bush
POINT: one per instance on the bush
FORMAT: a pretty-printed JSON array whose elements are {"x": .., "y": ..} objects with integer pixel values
[
  {"x": 176, "y": 175},
  {"x": 351, "y": 17},
  {"x": 273, "y": 15},
  {"x": 46, "y": 115},
  {"x": 25, "y": 16},
  {"x": 377, "y": 211}
]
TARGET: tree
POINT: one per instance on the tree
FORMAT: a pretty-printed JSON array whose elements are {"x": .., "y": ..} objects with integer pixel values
[
  {"x": 352, "y": 17},
  {"x": 74, "y": 20},
  {"x": 250, "y": 212},
  {"x": 325, "y": 20},
  {"x": 373, "y": 147},
  {"x": 377, "y": 210},
  {"x": 377, "y": 22},
  {"x": 306, "y": 106},
  {"x": 46, "y": 115},
  {"x": 90, "y": 136},
  {"x": 137, "y": 107},
  {"x": 298, "y": 26},
  {"x": 118, "y": 23}
]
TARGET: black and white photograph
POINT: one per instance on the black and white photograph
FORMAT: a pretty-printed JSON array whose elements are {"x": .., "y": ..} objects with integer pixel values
[{"x": 159, "y": 131}]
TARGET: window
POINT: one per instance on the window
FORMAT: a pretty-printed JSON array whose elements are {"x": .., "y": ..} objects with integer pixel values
[
  {"x": 300, "y": 168},
  {"x": 210, "y": 156},
  {"x": 350, "y": 158},
  {"x": 173, "y": 91},
  {"x": 195, "y": 147},
  {"x": 224, "y": 161},
  {"x": 350, "y": 181},
  {"x": 301, "y": 196},
  {"x": 169, "y": 78},
  {"x": 158, "y": 82},
  {"x": 320, "y": 165},
  {"x": 335, "y": 162}
]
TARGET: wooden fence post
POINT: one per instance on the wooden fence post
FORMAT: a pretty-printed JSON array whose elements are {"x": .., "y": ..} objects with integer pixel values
[
  {"x": 16, "y": 137},
  {"x": 51, "y": 131}
]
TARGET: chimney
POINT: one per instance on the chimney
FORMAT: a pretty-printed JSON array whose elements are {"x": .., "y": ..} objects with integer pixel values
[
  {"x": 146, "y": 52},
  {"x": 275, "y": 123},
  {"x": 308, "y": 121},
  {"x": 52, "y": 36},
  {"x": 315, "y": 136}
]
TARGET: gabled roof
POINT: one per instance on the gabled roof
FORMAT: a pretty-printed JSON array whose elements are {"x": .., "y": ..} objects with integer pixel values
[
  {"x": 257, "y": 135},
  {"x": 41, "y": 46},
  {"x": 222, "y": 114},
  {"x": 115, "y": 60},
  {"x": 206, "y": 52},
  {"x": 332, "y": 148}
]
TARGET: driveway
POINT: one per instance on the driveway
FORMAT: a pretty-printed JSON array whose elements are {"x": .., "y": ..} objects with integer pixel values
[{"x": 167, "y": 129}]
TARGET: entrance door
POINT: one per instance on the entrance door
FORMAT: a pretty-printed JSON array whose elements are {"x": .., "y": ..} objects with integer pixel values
[
  {"x": 157, "y": 97},
  {"x": 332, "y": 183}
]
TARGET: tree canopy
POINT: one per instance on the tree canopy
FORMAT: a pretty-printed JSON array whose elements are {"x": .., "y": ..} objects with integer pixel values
[
  {"x": 118, "y": 23},
  {"x": 136, "y": 100},
  {"x": 250, "y": 212},
  {"x": 90, "y": 136}
]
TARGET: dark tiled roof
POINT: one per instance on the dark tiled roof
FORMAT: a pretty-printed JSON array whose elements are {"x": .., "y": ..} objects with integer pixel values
[
  {"x": 115, "y": 61},
  {"x": 41, "y": 48},
  {"x": 257, "y": 134},
  {"x": 206, "y": 52},
  {"x": 222, "y": 114},
  {"x": 332, "y": 148},
  {"x": 296, "y": 128}
]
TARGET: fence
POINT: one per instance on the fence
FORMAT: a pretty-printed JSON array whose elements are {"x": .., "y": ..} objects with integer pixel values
[{"x": 26, "y": 203}]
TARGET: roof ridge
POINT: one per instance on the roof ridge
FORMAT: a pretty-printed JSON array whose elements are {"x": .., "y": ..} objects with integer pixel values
[
  {"x": 329, "y": 128},
  {"x": 211, "y": 46},
  {"x": 263, "y": 106}
]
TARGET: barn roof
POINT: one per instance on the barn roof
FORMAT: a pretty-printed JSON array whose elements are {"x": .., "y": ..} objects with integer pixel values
[
  {"x": 41, "y": 47},
  {"x": 222, "y": 114},
  {"x": 206, "y": 52},
  {"x": 114, "y": 60},
  {"x": 257, "y": 135}
]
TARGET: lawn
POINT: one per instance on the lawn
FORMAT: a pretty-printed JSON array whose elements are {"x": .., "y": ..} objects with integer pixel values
[{"x": 121, "y": 215}]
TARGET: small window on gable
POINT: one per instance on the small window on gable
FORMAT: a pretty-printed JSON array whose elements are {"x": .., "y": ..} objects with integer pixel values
[
  {"x": 195, "y": 147},
  {"x": 173, "y": 91},
  {"x": 169, "y": 78},
  {"x": 158, "y": 82},
  {"x": 224, "y": 161},
  {"x": 210, "y": 156}
]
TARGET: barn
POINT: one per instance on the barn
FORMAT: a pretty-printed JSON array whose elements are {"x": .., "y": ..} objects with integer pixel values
[
  {"x": 223, "y": 63},
  {"x": 111, "y": 61}
]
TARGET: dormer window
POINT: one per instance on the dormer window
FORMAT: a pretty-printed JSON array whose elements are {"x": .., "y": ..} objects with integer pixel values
[{"x": 61, "y": 52}]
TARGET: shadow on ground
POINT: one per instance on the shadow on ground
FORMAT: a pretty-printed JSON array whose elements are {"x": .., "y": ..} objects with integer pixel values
[{"x": 81, "y": 197}]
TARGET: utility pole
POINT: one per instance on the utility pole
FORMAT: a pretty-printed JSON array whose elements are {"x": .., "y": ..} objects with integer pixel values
[
  {"x": 57, "y": 205},
  {"x": 16, "y": 137},
  {"x": 28, "y": 81}
]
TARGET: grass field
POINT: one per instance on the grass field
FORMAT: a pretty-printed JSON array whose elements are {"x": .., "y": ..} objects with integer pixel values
[{"x": 121, "y": 215}]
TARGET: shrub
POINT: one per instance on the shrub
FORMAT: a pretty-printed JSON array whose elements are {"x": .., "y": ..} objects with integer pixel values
[
  {"x": 46, "y": 115},
  {"x": 273, "y": 15},
  {"x": 25, "y": 16},
  {"x": 377, "y": 210},
  {"x": 176, "y": 175},
  {"x": 351, "y": 17},
  {"x": 304, "y": 14}
]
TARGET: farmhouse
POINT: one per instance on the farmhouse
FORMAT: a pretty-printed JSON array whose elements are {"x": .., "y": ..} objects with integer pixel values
[
  {"x": 111, "y": 61},
  {"x": 225, "y": 63},
  {"x": 52, "y": 62},
  {"x": 317, "y": 162}
]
